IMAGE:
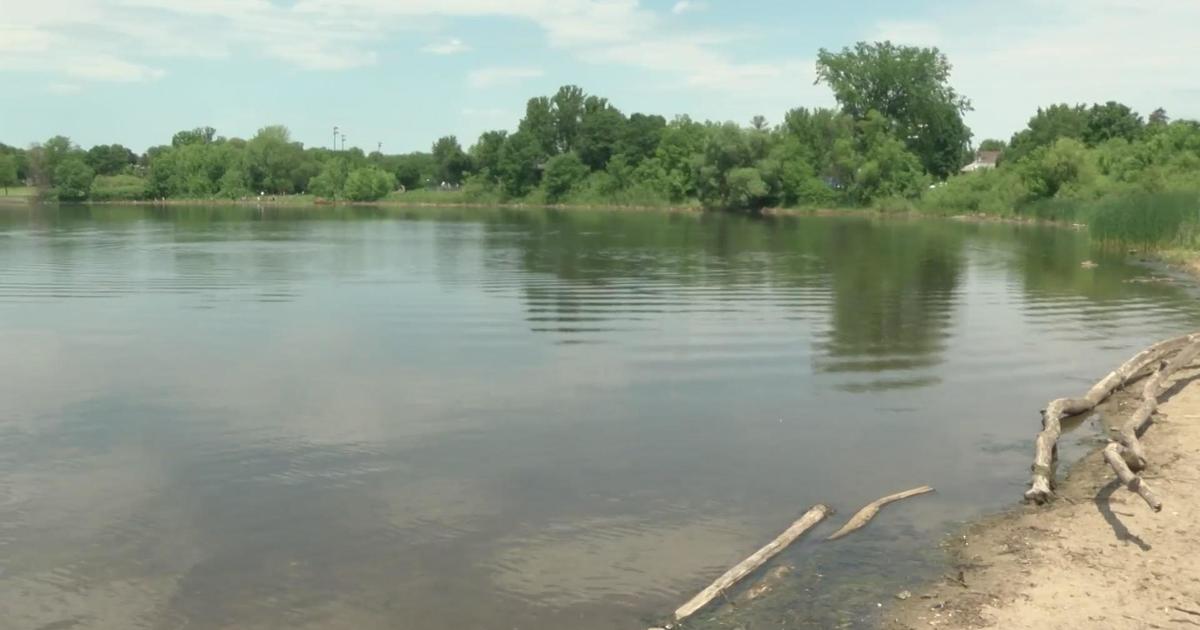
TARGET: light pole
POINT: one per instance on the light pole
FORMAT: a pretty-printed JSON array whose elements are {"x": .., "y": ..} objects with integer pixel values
[
  {"x": 379, "y": 148},
  {"x": 335, "y": 136},
  {"x": 343, "y": 142}
]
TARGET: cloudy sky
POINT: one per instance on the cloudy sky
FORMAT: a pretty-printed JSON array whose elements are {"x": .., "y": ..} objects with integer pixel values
[{"x": 403, "y": 72}]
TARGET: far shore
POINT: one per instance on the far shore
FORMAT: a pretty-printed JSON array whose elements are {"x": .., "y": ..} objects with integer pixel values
[{"x": 1182, "y": 260}]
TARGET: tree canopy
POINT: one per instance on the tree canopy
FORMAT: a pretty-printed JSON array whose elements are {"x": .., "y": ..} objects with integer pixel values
[{"x": 910, "y": 87}]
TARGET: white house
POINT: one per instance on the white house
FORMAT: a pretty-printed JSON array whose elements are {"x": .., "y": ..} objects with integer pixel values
[{"x": 983, "y": 160}]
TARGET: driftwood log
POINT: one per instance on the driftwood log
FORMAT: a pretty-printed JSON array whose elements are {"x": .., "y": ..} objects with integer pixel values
[
  {"x": 814, "y": 515},
  {"x": 1124, "y": 452},
  {"x": 1041, "y": 486},
  {"x": 869, "y": 511},
  {"x": 1135, "y": 483},
  {"x": 1132, "y": 451}
]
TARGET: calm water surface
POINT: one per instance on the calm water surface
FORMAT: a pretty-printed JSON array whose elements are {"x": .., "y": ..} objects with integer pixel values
[{"x": 362, "y": 419}]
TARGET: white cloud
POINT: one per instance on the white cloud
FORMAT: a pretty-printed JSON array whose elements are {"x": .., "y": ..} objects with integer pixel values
[
  {"x": 495, "y": 76},
  {"x": 63, "y": 88},
  {"x": 108, "y": 68},
  {"x": 685, "y": 6},
  {"x": 452, "y": 46},
  {"x": 1075, "y": 51},
  {"x": 908, "y": 32},
  {"x": 130, "y": 35}
]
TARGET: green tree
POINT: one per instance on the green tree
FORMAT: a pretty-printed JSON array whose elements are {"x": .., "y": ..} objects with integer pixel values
[
  {"x": 110, "y": 159},
  {"x": 369, "y": 184},
  {"x": 1046, "y": 127},
  {"x": 486, "y": 153},
  {"x": 992, "y": 144},
  {"x": 451, "y": 162},
  {"x": 414, "y": 170},
  {"x": 44, "y": 159},
  {"x": 1047, "y": 171},
  {"x": 640, "y": 137},
  {"x": 519, "y": 164},
  {"x": 678, "y": 155},
  {"x": 745, "y": 189},
  {"x": 821, "y": 134},
  {"x": 563, "y": 174},
  {"x": 568, "y": 107},
  {"x": 73, "y": 179},
  {"x": 884, "y": 167},
  {"x": 910, "y": 87},
  {"x": 727, "y": 178},
  {"x": 199, "y": 135},
  {"x": 8, "y": 172},
  {"x": 331, "y": 181},
  {"x": 273, "y": 160},
  {"x": 600, "y": 131},
  {"x": 540, "y": 124},
  {"x": 1112, "y": 120}
]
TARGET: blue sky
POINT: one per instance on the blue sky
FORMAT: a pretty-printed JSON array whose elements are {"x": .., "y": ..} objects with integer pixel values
[{"x": 403, "y": 72}]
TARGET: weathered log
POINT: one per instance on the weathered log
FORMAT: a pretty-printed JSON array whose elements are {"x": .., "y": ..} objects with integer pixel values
[
  {"x": 1135, "y": 483},
  {"x": 863, "y": 516},
  {"x": 1046, "y": 446},
  {"x": 731, "y": 577},
  {"x": 1132, "y": 451}
]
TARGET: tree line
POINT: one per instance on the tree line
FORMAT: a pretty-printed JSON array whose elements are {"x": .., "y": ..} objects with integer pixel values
[
  {"x": 897, "y": 138},
  {"x": 577, "y": 146}
]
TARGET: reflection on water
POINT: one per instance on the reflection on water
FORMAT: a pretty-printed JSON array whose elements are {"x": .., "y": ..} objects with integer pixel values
[{"x": 232, "y": 417}]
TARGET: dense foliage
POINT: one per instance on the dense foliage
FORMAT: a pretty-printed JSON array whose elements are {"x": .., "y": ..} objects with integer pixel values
[
  {"x": 899, "y": 126},
  {"x": 896, "y": 140},
  {"x": 1103, "y": 165}
]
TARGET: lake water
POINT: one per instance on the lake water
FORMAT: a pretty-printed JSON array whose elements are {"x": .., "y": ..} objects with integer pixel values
[{"x": 365, "y": 419}]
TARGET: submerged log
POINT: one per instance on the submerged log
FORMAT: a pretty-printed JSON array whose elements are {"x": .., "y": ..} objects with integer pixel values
[
  {"x": 869, "y": 511},
  {"x": 1046, "y": 446},
  {"x": 731, "y": 577}
]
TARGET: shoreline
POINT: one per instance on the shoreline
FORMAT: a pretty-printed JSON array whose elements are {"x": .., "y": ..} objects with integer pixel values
[{"x": 1096, "y": 555}]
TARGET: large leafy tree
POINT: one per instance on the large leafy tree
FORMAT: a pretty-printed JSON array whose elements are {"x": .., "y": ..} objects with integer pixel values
[
  {"x": 519, "y": 163},
  {"x": 600, "y": 132},
  {"x": 568, "y": 107},
  {"x": 1046, "y": 126},
  {"x": 45, "y": 158},
  {"x": 73, "y": 179},
  {"x": 541, "y": 125},
  {"x": 273, "y": 160},
  {"x": 110, "y": 159},
  {"x": 486, "y": 152},
  {"x": 640, "y": 137},
  {"x": 8, "y": 172},
  {"x": 1112, "y": 120},
  {"x": 199, "y": 135},
  {"x": 369, "y": 184},
  {"x": 451, "y": 161},
  {"x": 331, "y": 181},
  {"x": 910, "y": 87},
  {"x": 562, "y": 175}
]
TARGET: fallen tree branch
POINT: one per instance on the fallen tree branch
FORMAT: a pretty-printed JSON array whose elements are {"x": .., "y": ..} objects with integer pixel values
[
  {"x": 813, "y": 516},
  {"x": 1046, "y": 446},
  {"x": 1112, "y": 454},
  {"x": 869, "y": 511},
  {"x": 1132, "y": 451}
]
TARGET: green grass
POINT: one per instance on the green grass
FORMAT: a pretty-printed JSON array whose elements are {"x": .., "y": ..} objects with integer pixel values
[
  {"x": 19, "y": 192},
  {"x": 1160, "y": 220}
]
